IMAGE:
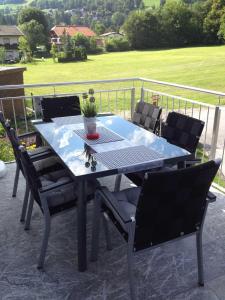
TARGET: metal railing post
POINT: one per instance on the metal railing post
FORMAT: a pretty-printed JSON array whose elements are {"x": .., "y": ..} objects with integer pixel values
[
  {"x": 142, "y": 94},
  {"x": 132, "y": 105},
  {"x": 215, "y": 132}
]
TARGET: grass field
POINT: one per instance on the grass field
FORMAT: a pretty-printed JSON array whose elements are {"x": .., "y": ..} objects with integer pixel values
[{"x": 202, "y": 67}]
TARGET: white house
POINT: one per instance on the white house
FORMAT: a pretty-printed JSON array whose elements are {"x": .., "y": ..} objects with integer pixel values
[
  {"x": 111, "y": 34},
  {"x": 9, "y": 39}
]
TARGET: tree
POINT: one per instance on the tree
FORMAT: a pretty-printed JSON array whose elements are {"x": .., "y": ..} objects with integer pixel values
[
  {"x": 34, "y": 34},
  {"x": 30, "y": 13},
  {"x": 54, "y": 51},
  {"x": 98, "y": 27},
  {"x": 2, "y": 55},
  {"x": 177, "y": 24},
  {"x": 80, "y": 40},
  {"x": 67, "y": 46},
  {"x": 212, "y": 21},
  {"x": 29, "y": 17},
  {"x": 24, "y": 47},
  {"x": 143, "y": 29},
  {"x": 118, "y": 18}
]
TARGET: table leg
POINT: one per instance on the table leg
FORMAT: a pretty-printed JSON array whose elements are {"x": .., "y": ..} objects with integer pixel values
[{"x": 81, "y": 227}]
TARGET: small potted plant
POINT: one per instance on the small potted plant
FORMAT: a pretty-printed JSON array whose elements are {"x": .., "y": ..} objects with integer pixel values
[{"x": 89, "y": 111}]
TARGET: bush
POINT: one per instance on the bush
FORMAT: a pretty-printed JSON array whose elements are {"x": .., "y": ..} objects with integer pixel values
[
  {"x": 94, "y": 48},
  {"x": 6, "y": 151},
  {"x": 79, "y": 54},
  {"x": 2, "y": 131},
  {"x": 117, "y": 44}
]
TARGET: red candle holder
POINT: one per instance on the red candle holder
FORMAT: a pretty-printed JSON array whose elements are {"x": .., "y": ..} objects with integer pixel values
[{"x": 93, "y": 136}]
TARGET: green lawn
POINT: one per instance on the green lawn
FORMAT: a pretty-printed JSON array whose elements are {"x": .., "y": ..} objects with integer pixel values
[{"x": 202, "y": 67}]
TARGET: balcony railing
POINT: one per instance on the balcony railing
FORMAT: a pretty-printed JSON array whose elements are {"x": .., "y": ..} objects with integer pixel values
[{"x": 120, "y": 96}]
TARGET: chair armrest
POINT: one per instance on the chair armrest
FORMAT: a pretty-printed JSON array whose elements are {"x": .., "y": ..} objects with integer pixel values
[
  {"x": 112, "y": 203},
  {"x": 39, "y": 156},
  {"x": 28, "y": 134},
  {"x": 55, "y": 185},
  {"x": 211, "y": 197},
  {"x": 192, "y": 161}
]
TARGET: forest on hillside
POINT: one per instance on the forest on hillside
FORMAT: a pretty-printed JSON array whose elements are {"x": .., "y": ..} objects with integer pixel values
[{"x": 98, "y": 14}]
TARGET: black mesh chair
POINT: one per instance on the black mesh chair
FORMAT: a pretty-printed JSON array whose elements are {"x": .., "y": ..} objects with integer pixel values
[
  {"x": 54, "y": 192},
  {"x": 60, "y": 107},
  {"x": 182, "y": 131},
  {"x": 147, "y": 116},
  {"x": 169, "y": 205},
  {"x": 43, "y": 164},
  {"x": 40, "y": 152}
]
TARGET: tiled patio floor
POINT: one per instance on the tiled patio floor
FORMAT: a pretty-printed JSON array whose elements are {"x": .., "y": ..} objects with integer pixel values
[{"x": 168, "y": 272}]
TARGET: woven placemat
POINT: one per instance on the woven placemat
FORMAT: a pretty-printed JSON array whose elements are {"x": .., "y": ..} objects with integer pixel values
[
  {"x": 105, "y": 136},
  {"x": 130, "y": 157}
]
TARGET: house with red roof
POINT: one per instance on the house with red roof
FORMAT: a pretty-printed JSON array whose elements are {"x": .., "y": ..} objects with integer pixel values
[{"x": 58, "y": 31}]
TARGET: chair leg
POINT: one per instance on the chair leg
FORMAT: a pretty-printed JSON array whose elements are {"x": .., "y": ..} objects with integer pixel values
[
  {"x": 44, "y": 246},
  {"x": 25, "y": 202},
  {"x": 16, "y": 179},
  {"x": 130, "y": 258},
  {"x": 200, "y": 258},
  {"x": 107, "y": 233},
  {"x": 29, "y": 213},
  {"x": 117, "y": 182},
  {"x": 95, "y": 228}
]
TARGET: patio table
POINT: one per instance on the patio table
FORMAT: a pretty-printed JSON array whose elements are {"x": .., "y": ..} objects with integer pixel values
[{"x": 122, "y": 148}]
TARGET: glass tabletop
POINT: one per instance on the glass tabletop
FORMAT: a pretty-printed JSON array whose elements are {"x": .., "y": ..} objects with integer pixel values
[{"x": 77, "y": 155}]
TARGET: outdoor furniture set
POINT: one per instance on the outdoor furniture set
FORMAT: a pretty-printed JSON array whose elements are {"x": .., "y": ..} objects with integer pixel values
[{"x": 59, "y": 177}]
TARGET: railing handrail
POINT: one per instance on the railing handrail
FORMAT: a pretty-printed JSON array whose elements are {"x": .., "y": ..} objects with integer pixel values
[
  {"x": 180, "y": 98},
  {"x": 181, "y": 86},
  {"x": 23, "y": 86},
  {"x": 65, "y": 94},
  {"x": 142, "y": 79}
]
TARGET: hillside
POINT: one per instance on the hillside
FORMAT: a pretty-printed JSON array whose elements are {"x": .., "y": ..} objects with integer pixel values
[{"x": 108, "y": 14}]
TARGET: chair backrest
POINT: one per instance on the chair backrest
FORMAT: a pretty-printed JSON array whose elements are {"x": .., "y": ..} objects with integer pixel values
[
  {"x": 60, "y": 107},
  {"x": 147, "y": 115},
  {"x": 12, "y": 138},
  {"x": 173, "y": 204},
  {"x": 30, "y": 173},
  {"x": 182, "y": 131},
  {"x": 15, "y": 145}
]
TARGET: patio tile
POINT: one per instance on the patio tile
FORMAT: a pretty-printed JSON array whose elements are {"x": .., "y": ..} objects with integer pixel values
[{"x": 168, "y": 272}]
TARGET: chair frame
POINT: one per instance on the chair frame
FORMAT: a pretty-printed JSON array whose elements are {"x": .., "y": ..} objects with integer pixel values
[
  {"x": 104, "y": 196},
  {"x": 42, "y": 193},
  {"x": 37, "y": 156}
]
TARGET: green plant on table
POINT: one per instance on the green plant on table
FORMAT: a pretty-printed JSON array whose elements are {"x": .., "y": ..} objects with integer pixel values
[{"x": 89, "y": 108}]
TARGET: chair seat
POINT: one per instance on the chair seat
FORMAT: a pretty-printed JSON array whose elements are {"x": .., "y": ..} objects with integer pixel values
[
  {"x": 128, "y": 200},
  {"x": 65, "y": 196},
  {"x": 62, "y": 194},
  {"x": 47, "y": 164}
]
